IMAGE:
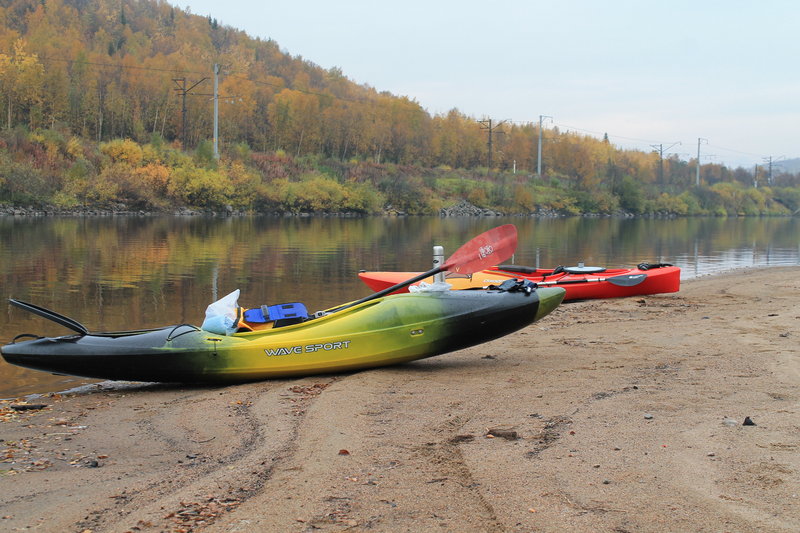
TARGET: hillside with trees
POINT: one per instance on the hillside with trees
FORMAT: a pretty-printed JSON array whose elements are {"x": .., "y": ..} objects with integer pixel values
[{"x": 109, "y": 104}]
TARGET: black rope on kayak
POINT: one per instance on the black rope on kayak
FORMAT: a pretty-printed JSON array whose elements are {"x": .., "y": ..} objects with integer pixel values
[
  {"x": 648, "y": 266},
  {"x": 192, "y": 328},
  {"x": 23, "y": 335}
]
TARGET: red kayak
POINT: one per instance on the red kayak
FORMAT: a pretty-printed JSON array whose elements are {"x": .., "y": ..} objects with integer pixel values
[{"x": 580, "y": 282}]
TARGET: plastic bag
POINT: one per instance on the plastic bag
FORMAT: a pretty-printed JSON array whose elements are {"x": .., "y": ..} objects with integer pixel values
[
  {"x": 221, "y": 315},
  {"x": 439, "y": 286}
]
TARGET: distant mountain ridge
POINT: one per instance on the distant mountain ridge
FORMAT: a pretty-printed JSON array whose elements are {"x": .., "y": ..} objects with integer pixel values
[{"x": 792, "y": 166}]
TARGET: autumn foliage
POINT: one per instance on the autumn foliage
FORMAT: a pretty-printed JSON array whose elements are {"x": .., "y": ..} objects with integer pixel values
[{"x": 107, "y": 104}]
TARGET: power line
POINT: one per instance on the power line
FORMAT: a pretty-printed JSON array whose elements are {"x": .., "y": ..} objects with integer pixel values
[
  {"x": 608, "y": 134},
  {"x": 304, "y": 91},
  {"x": 654, "y": 143},
  {"x": 735, "y": 151},
  {"x": 660, "y": 149},
  {"x": 539, "y": 151},
  {"x": 700, "y": 140},
  {"x": 116, "y": 65},
  {"x": 183, "y": 91},
  {"x": 121, "y": 66},
  {"x": 487, "y": 125}
]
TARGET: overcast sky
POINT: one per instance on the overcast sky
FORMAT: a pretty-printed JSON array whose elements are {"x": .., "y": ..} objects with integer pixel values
[{"x": 645, "y": 72}]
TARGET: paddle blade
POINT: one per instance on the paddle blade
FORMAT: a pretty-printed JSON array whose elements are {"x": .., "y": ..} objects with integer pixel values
[
  {"x": 65, "y": 321},
  {"x": 628, "y": 280},
  {"x": 487, "y": 249}
]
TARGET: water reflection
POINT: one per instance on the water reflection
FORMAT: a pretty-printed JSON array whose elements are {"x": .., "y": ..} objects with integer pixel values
[{"x": 134, "y": 272}]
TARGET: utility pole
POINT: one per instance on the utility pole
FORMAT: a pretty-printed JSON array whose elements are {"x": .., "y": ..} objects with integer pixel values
[
  {"x": 768, "y": 160},
  {"x": 755, "y": 177},
  {"x": 697, "y": 176},
  {"x": 660, "y": 149},
  {"x": 183, "y": 91},
  {"x": 487, "y": 125},
  {"x": 216, "y": 111},
  {"x": 539, "y": 154}
]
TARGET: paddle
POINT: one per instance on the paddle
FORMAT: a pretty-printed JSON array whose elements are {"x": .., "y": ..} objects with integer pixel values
[
  {"x": 626, "y": 280},
  {"x": 65, "y": 321},
  {"x": 483, "y": 251}
]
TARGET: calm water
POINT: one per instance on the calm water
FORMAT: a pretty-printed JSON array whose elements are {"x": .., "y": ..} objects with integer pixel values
[{"x": 129, "y": 273}]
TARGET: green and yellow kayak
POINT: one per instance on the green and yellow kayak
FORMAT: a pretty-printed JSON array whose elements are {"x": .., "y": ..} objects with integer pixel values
[{"x": 384, "y": 331}]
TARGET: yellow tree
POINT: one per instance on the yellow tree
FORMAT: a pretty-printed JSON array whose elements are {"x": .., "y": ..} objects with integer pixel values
[
  {"x": 378, "y": 130},
  {"x": 458, "y": 141},
  {"x": 411, "y": 132},
  {"x": 21, "y": 77},
  {"x": 238, "y": 117},
  {"x": 266, "y": 87},
  {"x": 338, "y": 129},
  {"x": 446, "y": 138},
  {"x": 519, "y": 147},
  {"x": 295, "y": 117}
]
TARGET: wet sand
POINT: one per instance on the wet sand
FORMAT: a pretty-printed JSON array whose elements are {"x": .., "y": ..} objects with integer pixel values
[{"x": 618, "y": 415}]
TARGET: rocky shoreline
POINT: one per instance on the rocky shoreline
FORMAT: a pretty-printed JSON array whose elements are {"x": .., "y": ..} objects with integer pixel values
[{"x": 461, "y": 209}]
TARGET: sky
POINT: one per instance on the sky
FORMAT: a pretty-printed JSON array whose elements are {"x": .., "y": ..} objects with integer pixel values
[{"x": 646, "y": 73}]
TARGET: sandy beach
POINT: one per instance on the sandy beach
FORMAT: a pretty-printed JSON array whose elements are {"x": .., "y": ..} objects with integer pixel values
[{"x": 615, "y": 415}]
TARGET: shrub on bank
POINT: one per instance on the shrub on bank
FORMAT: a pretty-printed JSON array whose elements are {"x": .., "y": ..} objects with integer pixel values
[{"x": 50, "y": 167}]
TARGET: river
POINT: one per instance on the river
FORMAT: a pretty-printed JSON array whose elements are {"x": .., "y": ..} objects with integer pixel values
[{"x": 118, "y": 273}]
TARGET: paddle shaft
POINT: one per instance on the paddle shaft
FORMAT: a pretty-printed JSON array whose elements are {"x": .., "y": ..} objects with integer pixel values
[
  {"x": 626, "y": 280},
  {"x": 391, "y": 289},
  {"x": 497, "y": 244}
]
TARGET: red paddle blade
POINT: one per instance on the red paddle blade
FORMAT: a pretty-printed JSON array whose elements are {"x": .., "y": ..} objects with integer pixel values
[{"x": 487, "y": 249}]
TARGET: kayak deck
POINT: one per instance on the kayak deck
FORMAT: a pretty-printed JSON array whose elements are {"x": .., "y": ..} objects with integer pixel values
[{"x": 389, "y": 330}]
